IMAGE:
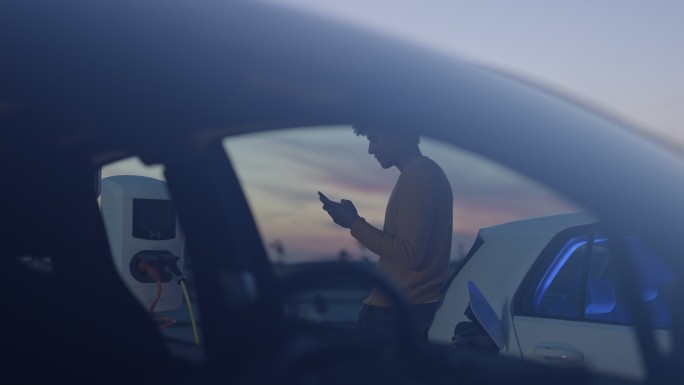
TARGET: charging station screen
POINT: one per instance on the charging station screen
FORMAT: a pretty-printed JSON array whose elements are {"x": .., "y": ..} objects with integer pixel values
[{"x": 154, "y": 219}]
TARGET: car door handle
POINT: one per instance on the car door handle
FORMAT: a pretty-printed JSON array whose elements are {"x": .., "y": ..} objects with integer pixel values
[{"x": 557, "y": 354}]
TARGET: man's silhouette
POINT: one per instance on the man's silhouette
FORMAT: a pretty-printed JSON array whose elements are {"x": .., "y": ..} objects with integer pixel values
[{"x": 414, "y": 244}]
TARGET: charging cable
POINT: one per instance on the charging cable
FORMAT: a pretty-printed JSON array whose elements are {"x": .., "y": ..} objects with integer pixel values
[
  {"x": 181, "y": 282},
  {"x": 171, "y": 265},
  {"x": 151, "y": 266},
  {"x": 154, "y": 273}
]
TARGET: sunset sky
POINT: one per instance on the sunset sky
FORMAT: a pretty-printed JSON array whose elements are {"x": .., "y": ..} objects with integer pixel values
[
  {"x": 282, "y": 171},
  {"x": 282, "y": 182},
  {"x": 622, "y": 56}
]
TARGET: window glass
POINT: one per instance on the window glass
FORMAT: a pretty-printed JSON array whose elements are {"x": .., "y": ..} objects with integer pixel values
[
  {"x": 564, "y": 281},
  {"x": 654, "y": 280},
  {"x": 603, "y": 299},
  {"x": 281, "y": 172},
  {"x": 141, "y": 224},
  {"x": 559, "y": 291}
]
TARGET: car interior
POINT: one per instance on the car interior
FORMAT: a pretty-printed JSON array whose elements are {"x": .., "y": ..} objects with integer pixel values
[
  {"x": 561, "y": 289},
  {"x": 69, "y": 308},
  {"x": 84, "y": 85}
]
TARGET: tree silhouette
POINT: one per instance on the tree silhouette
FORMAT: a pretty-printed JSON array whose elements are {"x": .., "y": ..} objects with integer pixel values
[{"x": 279, "y": 249}]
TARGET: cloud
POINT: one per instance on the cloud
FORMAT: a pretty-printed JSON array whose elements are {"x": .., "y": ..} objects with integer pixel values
[
  {"x": 282, "y": 171},
  {"x": 339, "y": 160}
]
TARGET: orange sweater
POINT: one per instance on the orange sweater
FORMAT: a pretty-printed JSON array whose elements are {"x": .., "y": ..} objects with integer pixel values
[{"x": 415, "y": 243}]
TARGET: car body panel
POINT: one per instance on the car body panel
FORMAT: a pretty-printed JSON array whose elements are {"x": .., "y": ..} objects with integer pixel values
[
  {"x": 497, "y": 268},
  {"x": 607, "y": 348},
  {"x": 500, "y": 266}
]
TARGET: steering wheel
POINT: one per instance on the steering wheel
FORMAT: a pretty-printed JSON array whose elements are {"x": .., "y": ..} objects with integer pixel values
[{"x": 308, "y": 355}]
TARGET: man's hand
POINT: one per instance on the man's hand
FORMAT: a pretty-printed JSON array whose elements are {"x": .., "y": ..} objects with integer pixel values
[{"x": 343, "y": 213}]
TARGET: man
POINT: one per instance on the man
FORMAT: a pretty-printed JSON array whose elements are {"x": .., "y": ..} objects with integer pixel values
[{"x": 415, "y": 243}]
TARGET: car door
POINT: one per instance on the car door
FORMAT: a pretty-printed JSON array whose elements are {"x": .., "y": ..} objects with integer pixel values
[{"x": 572, "y": 309}]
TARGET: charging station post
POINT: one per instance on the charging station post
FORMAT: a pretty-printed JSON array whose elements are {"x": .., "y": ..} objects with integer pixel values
[{"x": 142, "y": 227}]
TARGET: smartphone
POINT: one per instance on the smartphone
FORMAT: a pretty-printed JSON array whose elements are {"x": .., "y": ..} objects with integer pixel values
[{"x": 323, "y": 198}]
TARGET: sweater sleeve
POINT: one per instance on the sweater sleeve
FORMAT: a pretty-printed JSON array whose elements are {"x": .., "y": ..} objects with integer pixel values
[{"x": 415, "y": 214}]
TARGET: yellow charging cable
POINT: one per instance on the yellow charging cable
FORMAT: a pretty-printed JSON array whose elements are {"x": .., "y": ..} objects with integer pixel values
[{"x": 192, "y": 314}]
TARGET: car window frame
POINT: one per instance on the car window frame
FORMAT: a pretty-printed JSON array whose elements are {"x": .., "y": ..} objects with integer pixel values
[
  {"x": 234, "y": 281},
  {"x": 541, "y": 264},
  {"x": 528, "y": 285}
]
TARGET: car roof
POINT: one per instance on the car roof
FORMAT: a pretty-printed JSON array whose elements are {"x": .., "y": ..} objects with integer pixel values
[
  {"x": 507, "y": 251},
  {"x": 149, "y": 77},
  {"x": 544, "y": 227}
]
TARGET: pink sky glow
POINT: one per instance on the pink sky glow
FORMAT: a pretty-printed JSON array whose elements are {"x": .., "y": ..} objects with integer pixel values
[{"x": 282, "y": 171}]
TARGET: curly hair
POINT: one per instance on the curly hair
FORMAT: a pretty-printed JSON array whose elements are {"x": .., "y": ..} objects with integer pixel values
[{"x": 411, "y": 135}]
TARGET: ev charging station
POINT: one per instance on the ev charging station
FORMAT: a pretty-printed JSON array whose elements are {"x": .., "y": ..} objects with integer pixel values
[{"x": 142, "y": 226}]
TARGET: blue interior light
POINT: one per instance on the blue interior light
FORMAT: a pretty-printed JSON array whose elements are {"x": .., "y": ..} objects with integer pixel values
[
  {"x": 570, "y": 247},
  {"x": 558, "y": 262}
]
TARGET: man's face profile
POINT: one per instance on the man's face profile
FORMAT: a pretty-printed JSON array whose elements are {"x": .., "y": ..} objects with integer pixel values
[{"x": 383, "y": 147}]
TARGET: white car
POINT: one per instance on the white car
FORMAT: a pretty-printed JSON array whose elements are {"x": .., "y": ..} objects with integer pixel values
[{"x": 555, "y": 290}]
